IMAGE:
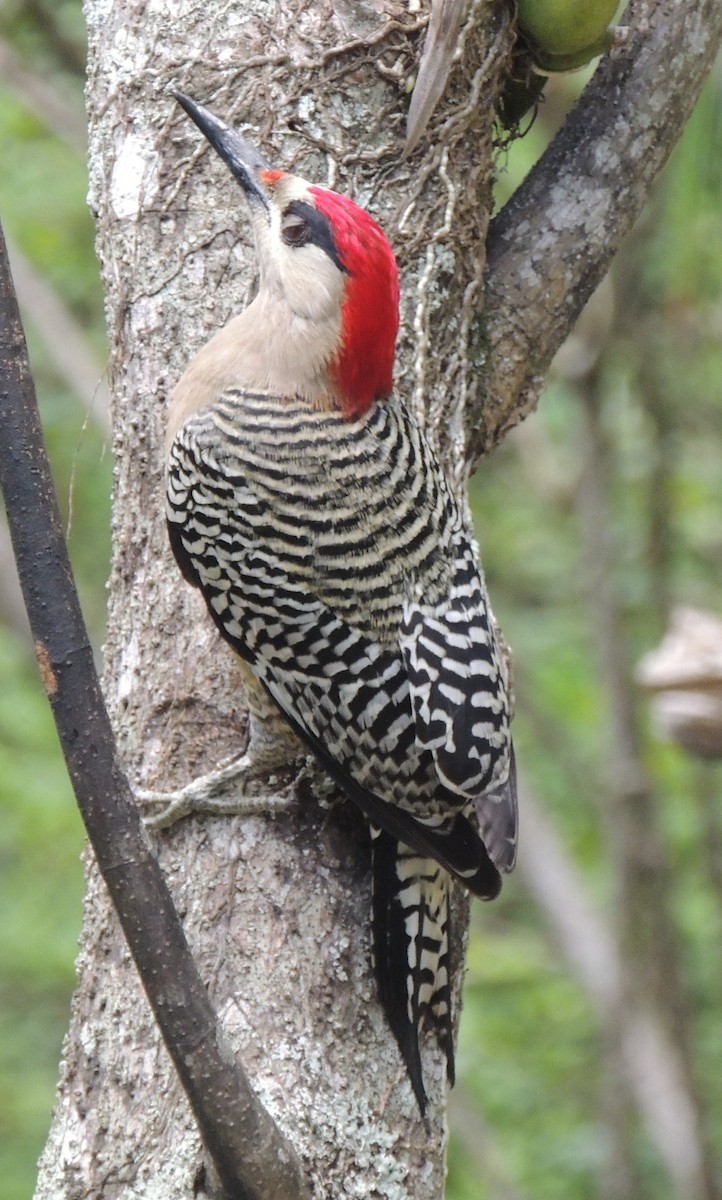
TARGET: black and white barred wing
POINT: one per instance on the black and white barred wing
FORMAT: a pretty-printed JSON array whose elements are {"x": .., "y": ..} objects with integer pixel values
[
  {"x": 353, "y": 709},
  {"x": 459, "y": 700},
  {"x": 347, "y": 695}
]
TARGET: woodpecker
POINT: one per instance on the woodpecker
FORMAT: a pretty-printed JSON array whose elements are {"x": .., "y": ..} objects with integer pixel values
[{"x": 305, "y": 503}]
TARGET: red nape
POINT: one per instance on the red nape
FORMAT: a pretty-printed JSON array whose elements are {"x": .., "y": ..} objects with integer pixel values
[{"x": 370, "y": 316}]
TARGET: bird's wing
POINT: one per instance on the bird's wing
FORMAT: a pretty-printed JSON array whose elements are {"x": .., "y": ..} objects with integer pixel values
[
  {"x": 355, "y": 714},
  {"x": 458, "y": 697},
  {"x": 345, "y": 696}
]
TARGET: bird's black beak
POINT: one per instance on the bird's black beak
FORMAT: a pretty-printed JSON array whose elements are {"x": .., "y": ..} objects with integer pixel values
[{"x": 242, "y": 158}]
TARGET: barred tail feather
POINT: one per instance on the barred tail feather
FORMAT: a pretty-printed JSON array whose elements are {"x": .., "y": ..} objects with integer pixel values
[{"x": 411, "y": 950}]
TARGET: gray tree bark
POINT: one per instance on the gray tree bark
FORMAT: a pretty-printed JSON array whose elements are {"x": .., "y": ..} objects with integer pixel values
[{"x": 276, "y": 909}]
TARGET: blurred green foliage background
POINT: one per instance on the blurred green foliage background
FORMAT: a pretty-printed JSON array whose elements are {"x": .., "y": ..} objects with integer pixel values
[{"x": 595, "y": 518}]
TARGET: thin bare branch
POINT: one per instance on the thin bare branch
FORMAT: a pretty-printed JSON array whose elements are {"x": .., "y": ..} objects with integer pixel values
[
  {"x": 479, "y": 1144},
  {"x": 43, "y": 98},
  {"x": 67, "y": 51},
  {"x": 80, "y": 370},
  {"x": 253, "y": 1159},
  {"x": 655, "y": 1068},
  {"x": 554, "y": 240},
  {"x": 76, "y": 363}
]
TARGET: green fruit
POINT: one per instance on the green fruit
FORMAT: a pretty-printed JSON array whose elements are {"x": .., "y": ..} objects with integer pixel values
[
  {"x": 561, "y": 28},
  {"x": 550, "y": 64}
]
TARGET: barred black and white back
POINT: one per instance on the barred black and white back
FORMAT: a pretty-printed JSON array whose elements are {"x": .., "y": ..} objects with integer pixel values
[{"x": 336, "y": 562}]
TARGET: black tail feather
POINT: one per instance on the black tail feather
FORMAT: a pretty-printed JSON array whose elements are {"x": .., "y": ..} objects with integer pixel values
[{"x": 411, "y": 950}]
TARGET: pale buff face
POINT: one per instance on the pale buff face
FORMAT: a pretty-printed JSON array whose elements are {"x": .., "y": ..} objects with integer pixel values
[{"x": 304, "y": 276}]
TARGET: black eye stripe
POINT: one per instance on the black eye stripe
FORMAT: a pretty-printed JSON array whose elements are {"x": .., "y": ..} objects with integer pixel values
[{"x": 318, "y": 230}]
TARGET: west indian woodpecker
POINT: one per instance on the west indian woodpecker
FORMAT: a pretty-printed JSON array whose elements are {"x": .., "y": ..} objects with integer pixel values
[{"x": 306, "y": 505}]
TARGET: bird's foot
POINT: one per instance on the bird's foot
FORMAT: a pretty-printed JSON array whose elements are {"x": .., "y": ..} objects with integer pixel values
[{"x": 244, "y": 786}]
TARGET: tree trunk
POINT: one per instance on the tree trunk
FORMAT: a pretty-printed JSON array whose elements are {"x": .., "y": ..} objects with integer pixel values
[{"x": 276, "y": 909}]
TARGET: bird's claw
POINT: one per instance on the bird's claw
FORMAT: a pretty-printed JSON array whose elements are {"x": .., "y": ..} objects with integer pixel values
[{"x": 237, "y": 788}]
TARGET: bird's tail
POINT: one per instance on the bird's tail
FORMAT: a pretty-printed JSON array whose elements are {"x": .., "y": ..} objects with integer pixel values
[{"x": 411, "y": 950}]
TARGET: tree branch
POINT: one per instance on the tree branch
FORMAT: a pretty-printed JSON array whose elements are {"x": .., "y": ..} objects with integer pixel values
[
  {"x": 655, "y": 1068},
  {"x": 253, "y": 1159},
  {"x": 64, "y": 120},
  {"x": 554, "y": 240},
  {"x": 69, "y": 349}
]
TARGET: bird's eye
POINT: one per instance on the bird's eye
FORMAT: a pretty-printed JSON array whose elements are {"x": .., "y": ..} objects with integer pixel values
[{"x": 294, "y": 230}]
